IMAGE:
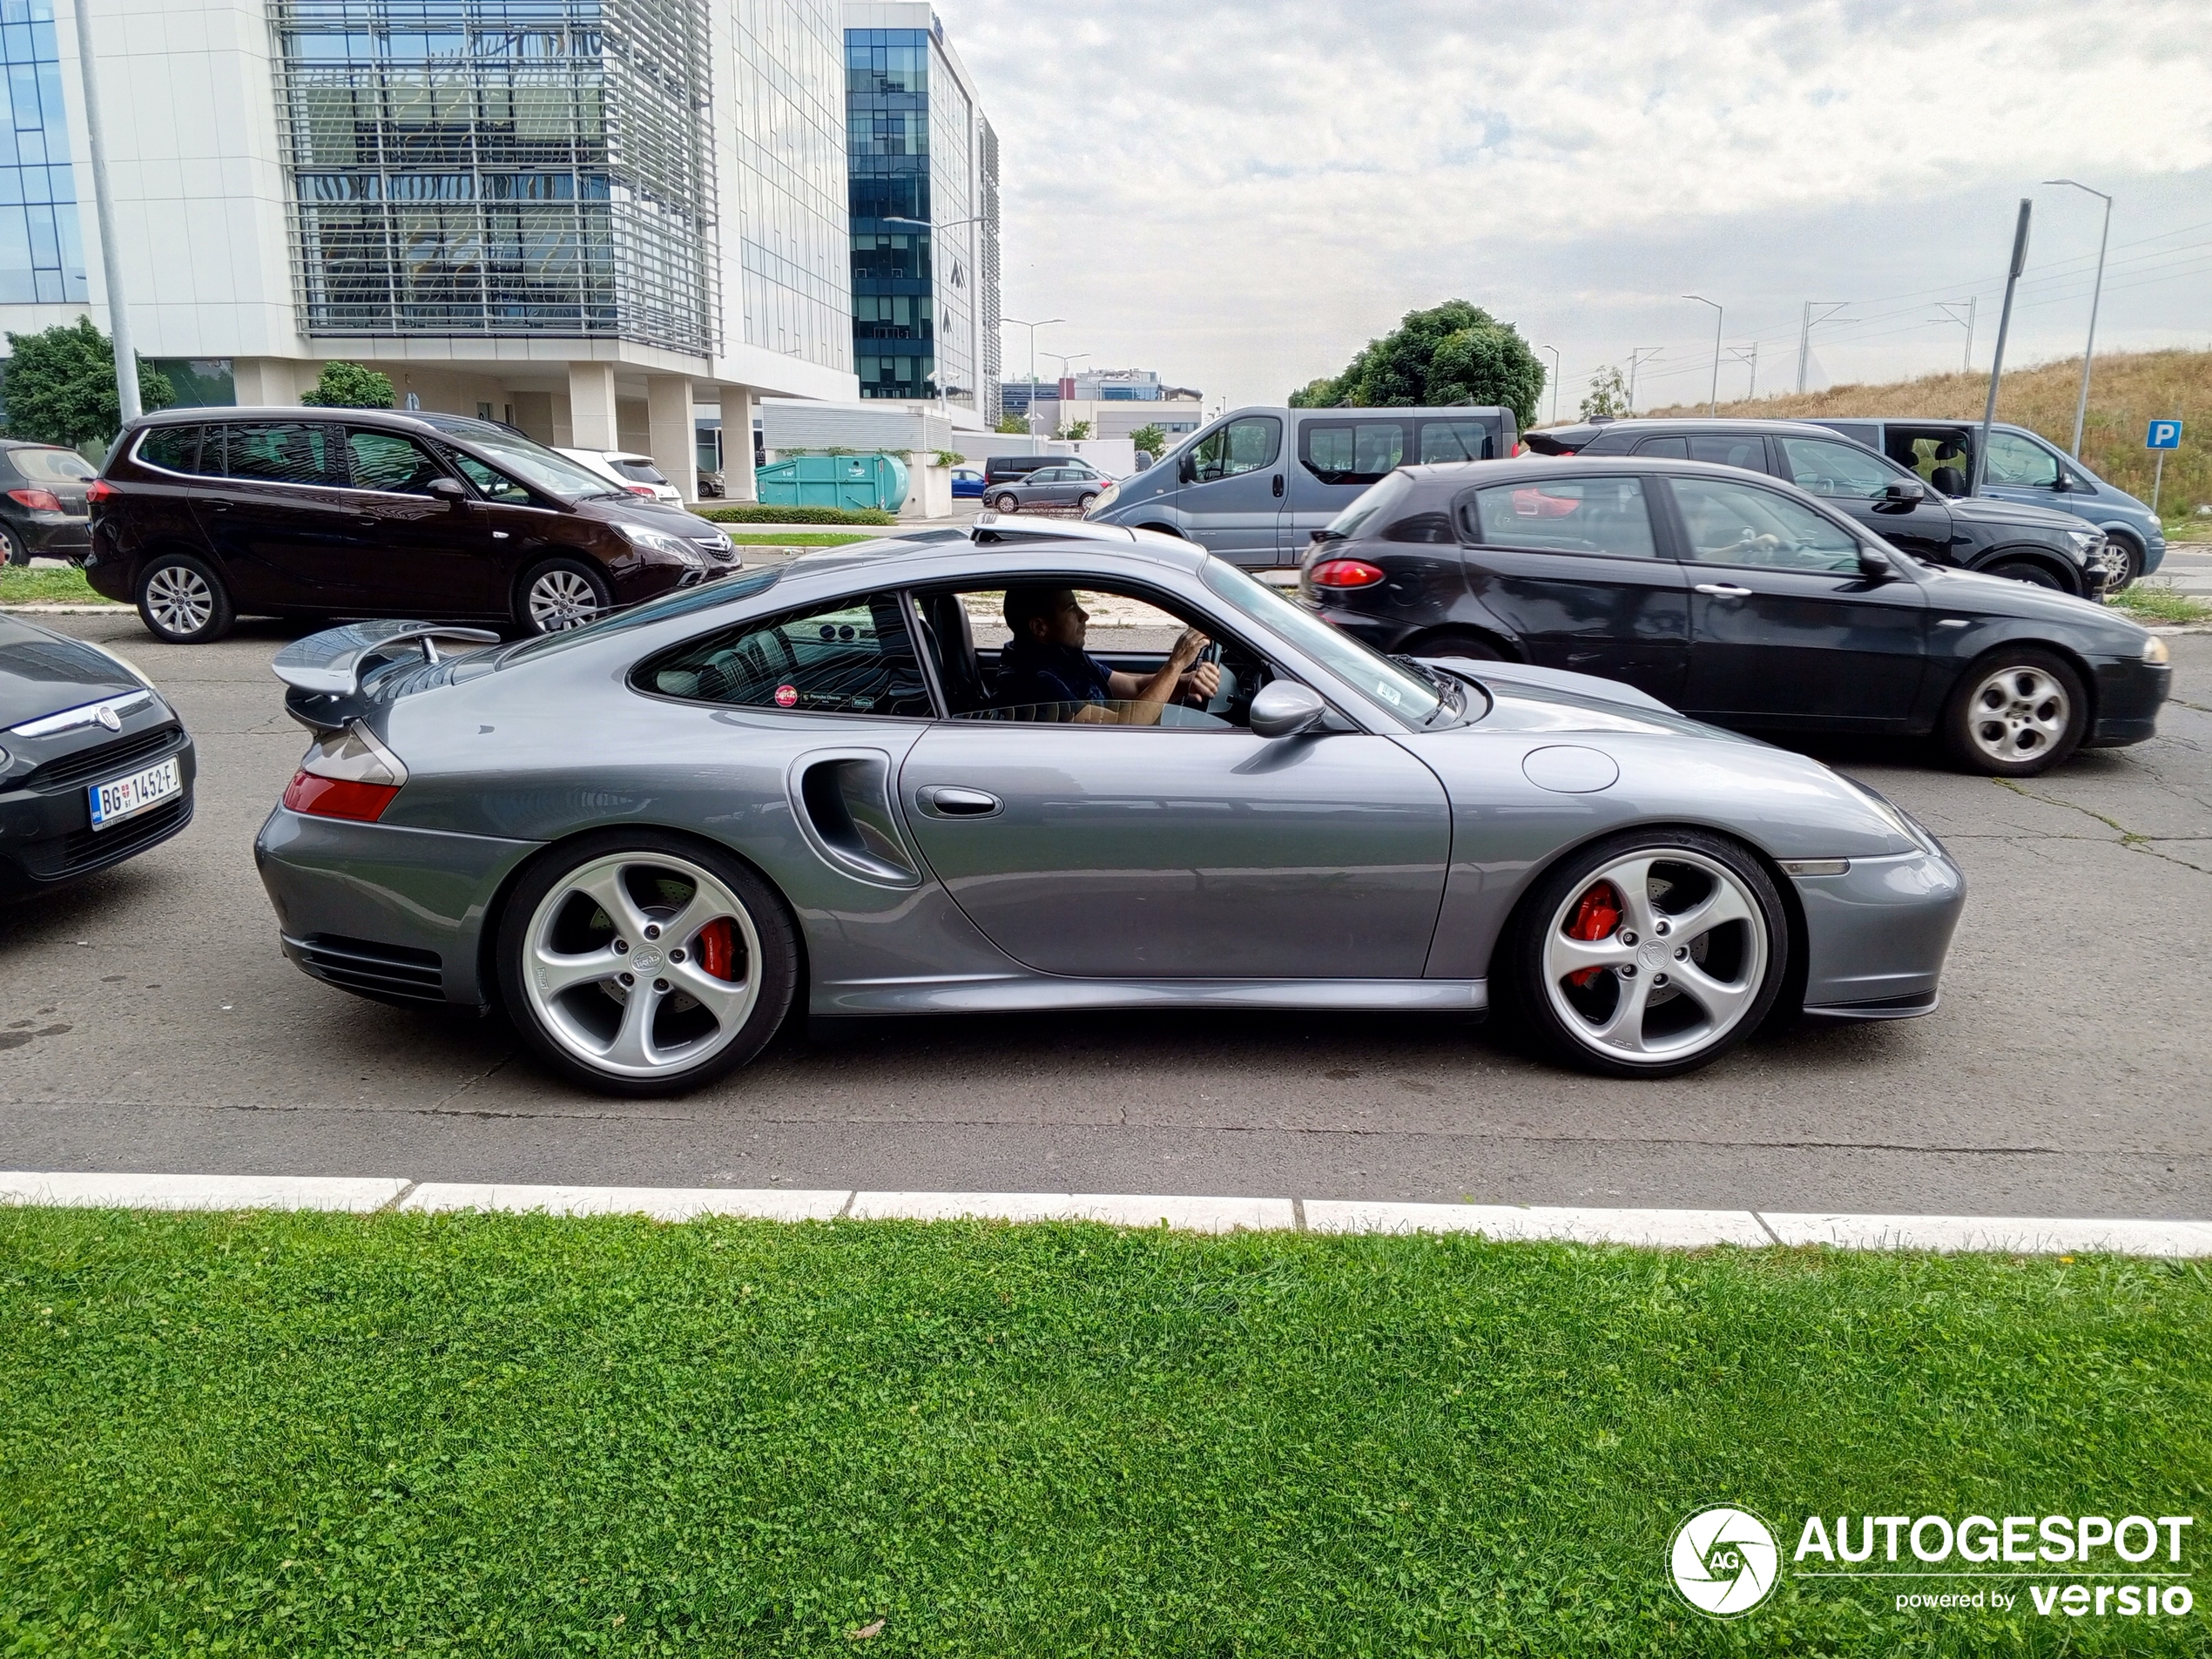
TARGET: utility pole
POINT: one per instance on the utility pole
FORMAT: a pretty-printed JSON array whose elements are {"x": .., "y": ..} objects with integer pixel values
[
  {"x": 1636, "y": 362},
  {"x": 1805, "y": 331},
  {"x": 1713, "y": 397},
  {"x": 1028, "y": 415},
  {"x": 2081, "y": 403},
  {"x": 1554, "y": 350},
  {"x": 1953, "y": 307},
  {"x": 2004, "y": 326},
  {"x": 1748, "y": 354},
  {"x": 119, "y": 310}
]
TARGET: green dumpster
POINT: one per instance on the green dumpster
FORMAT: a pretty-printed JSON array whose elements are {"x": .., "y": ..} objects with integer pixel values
[{"x": 833, "y": 481}]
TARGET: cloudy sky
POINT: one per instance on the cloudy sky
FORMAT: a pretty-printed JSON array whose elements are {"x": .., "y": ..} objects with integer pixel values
[{"x": 1240, "y": 195}]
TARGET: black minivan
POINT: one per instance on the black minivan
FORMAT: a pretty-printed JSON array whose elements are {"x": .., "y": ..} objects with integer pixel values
[{"x": 202, "y": 515}]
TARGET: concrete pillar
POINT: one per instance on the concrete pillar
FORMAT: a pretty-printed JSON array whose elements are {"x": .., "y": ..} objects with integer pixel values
[
  {"x": 738, "y": 405},
  {"x": 263, "y": 382},
  {"x": 670, "y": 432},
  {"x": 591, "y": 406}
]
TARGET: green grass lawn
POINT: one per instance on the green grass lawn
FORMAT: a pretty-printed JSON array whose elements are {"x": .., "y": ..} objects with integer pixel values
[
  {"x": 2146, "y": 601},
  {"x": 794, "y": 538},
  {"x": 24, "y": 584},
  {"x": 315, "y": 1435}
]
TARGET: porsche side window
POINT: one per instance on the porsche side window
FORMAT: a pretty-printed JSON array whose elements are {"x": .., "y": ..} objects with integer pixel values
[
  {"x": 853, "y": 657},
  {"x": 1602, "y": 516}
]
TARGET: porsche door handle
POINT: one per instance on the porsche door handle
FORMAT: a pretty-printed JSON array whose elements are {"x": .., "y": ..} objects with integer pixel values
[
  {"x": 944, "y": 801},
  {"x": 1724, "y": 591}
]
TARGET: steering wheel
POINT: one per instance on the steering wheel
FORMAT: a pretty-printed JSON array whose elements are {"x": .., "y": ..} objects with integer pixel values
[{"x": 1225, "y": 693}]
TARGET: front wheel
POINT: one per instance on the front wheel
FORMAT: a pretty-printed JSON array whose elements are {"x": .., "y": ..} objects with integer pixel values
[
  {"x": 563, "y": 594},
  {"x": 638, "y": 963},
  {"x": 183, "y": 602},
  {"x": 2027, "y": 570},
  {"x": 1008, "y": 504},
  {"x": 2014, "y": 713},
  {"x": 1649, "y": 954}
]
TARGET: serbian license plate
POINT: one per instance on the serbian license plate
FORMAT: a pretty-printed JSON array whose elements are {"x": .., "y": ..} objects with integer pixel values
[{"x": 121, "y": 796}]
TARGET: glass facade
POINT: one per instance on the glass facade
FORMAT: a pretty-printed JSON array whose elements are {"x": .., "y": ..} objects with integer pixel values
[
  {"x": 795, "y": 281},
  {"x": 911, "y": 133},
  {"x": 42, "y": 255},
  {"x": 500, "y": 167}
]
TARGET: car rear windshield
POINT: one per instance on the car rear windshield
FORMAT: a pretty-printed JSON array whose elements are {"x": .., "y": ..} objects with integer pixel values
[
  {"x": 1380, "y": 499},
  {"x": 51, "y": 466},
  {"x": 643, "y": 471},
  {"x": 1411, "y": 698},
  {"x": 532, "y": 463}
]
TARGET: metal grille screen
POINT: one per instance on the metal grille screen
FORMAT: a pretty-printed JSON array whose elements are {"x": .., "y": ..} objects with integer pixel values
[{"x": 500, "y": 167}]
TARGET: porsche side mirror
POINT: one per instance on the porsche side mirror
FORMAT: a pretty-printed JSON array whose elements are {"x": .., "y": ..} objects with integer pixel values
[
  {"x": 450, "y": 491},
  {"x": 1283, "y": 708},
  {"x": 1906, "y": 492},
  {"x": 1875, "y": 567}
]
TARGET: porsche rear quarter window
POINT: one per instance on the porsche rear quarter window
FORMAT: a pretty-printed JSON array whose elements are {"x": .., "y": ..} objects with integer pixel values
[
  {"x": 1604, "y": 515},
  {"x": 852, "y": 657}
]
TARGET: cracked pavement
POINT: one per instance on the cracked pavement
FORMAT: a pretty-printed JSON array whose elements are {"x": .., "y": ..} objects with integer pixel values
[{"x": 148, "y": 1022}]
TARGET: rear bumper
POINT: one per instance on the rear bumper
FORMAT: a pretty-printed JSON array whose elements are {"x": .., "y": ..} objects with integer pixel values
[
  {"x": 397, "y": 914},
  {"x": 1876, "y": 935},
  {"x": 51, "y": 535}
]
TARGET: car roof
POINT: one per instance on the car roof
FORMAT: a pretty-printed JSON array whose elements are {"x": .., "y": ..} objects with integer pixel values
[
  {"x": 1463, "y": 473},
  {"x": 1661, "y": 423},
  {"x": 1007, "y": 531}
]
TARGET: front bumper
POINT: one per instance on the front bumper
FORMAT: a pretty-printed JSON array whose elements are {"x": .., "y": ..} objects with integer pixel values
[
  {"x": 392, "y": 914},
  {"x": 2129, "y": 693},
  {"x": 46, "y": 834},
  {"x": 1876, "y": 936}
]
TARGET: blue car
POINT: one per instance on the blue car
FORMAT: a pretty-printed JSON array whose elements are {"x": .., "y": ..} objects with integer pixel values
[{"x": 967, "y": 482}]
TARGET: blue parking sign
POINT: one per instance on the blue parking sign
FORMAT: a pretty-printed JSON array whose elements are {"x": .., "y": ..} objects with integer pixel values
[{"x": 2164, "y": 435}]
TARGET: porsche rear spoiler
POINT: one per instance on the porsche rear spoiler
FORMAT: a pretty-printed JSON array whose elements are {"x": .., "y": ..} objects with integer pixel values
[{"x": 323, "y": 672}]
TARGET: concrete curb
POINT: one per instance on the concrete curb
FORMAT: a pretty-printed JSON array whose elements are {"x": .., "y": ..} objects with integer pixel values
[
  {"x": 1651, "y": 1229},
  {"x": 35, "y": 609}
]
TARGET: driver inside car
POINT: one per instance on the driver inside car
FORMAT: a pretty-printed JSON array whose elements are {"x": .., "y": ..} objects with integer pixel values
[{"x": 1045, "y": 674}]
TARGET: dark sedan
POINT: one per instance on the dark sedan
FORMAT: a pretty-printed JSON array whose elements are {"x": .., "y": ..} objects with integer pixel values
[
  {"x": 42, "y": 513},
  {"x": 2025, "y": 543},
  {"x": 1741, "y": 600},
  {"x": 95, "y": 766}
]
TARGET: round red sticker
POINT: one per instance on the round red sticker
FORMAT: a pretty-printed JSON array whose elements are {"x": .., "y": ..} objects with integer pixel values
[{"x": 785, "y": 695}]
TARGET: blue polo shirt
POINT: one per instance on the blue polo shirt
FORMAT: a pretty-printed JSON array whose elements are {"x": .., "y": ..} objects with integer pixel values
[{"x": 1031, "y": 672}]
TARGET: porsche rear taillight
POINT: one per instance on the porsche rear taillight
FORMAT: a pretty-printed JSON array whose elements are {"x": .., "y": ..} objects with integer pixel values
[
  {"x": 346, "y": 775},
  {"x": 1345, "y": 573}
]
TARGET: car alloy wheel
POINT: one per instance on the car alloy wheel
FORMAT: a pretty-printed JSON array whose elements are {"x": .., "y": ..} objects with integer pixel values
[
  {"x": 2021, "y": 716},
  {"x": 1652, "y": 953},
  {"x": 1009, "y": 503},
  {"x": 561, "y": 598},
  {"x": 182, "y": 602},
  {"x": 11, "y": 550},
  {"x": 1083, "y": 502},
  {"x": 643, "y": 970}
]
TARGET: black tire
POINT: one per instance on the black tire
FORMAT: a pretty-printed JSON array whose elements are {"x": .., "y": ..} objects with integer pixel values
[
  {"x": 183, "y": 602},
  {"x": 2019, "y": 730},
  {"x": 13, "y": 550},
  {"x": 1009, "y": 502},
  {"x": 1683, "y": 1023},
  {"x": 775, "y": 964},
  {"x": 1472, "y": 646},
  {"x": 561, "y": 594},
  {"x": 1083, "y": 502},
  {"x": 2032, "y": 572}
]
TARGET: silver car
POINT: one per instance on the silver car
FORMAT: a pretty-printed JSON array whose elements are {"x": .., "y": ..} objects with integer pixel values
[
  {"x": 835, "y": 785},
  {"x": 1070, "y": 485}
]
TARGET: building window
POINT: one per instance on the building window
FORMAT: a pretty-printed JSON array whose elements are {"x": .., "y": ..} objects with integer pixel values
[{"x": 42, "y": 255}]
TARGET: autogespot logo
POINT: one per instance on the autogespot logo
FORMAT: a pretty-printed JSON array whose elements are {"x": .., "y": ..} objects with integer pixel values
[{"x": 1725, "y": 1561}]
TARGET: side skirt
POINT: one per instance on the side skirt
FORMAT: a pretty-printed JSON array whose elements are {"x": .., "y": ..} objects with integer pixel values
[{"x": 1018, "y": 992}]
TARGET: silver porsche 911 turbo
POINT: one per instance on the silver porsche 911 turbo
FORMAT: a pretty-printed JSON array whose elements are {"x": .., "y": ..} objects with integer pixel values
[{"x": 911, "y": 776}]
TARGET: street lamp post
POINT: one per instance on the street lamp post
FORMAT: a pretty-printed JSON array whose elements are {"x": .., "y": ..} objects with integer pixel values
[
  {"x": 118, "y": 311},
  {"x": 1554, "y": 350},
  {"x": 1028, "y": 415},
  {"x": 1713, "y": 397},
  {"x": 2082, "y": 402}
]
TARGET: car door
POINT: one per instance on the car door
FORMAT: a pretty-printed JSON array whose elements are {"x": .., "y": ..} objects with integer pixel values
[
  {"x": 1855, "y": 481},
  {"x": 1339, "y": 457},
  {"x": 282, "y": 523},
  {"x": 1572, "y": 565},
  {"x": 1231, "y": 498},
  {"x": 1189, "y": 851},
  {"x": 1785, "y": 626},
  {"x": 431, "y": 554}
]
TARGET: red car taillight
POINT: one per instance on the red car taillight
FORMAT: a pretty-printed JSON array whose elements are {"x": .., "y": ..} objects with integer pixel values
[
  {"x": 1345, "y": 573},
  {"x": 97, "y": 491},
  {"x": 346, "y": 775},
  {"x": 639, "y": 490},
  {"x": 38, "y": 501}
]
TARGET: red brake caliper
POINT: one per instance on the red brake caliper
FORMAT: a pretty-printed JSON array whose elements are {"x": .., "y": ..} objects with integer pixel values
[
  {"x": 716, "y": 947},
  {"x": 1595, "y": 918}
]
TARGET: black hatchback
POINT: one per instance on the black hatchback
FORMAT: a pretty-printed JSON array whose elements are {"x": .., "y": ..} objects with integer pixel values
[
  {"x": 42, "y": 513},
  {"x": 1739, "y": 599},
  {"x": 202, "y": 515}
]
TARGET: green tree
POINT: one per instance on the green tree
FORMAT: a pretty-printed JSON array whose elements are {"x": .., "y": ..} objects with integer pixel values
[
  {"x": 61, "y": 386},
  {"x": 1455, "y": 353},
  {"x": 1075, "y": 432},
  {"x": 1608, "y": 393},
  {"x": 348, "y": 385},
  {"x": 1152, "y": 440},
  {"x": 1012, "y": 425}
]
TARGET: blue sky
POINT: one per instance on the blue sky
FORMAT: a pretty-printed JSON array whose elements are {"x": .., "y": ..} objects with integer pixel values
[{"x": 1239, "y": 196}]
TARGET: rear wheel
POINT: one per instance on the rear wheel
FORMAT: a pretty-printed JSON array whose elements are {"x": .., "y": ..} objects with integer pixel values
[
  {"x": 2015, "y": 713},
  {"x": 183, "y": 602},
  {"x": 2026, "y": 570},
  {"x": 11, "y": 550},
  {"x": 562, "y": 594},
  {"x": 1008, "y": 504},
  {"x": 1083, "y": 502},
  {"x": 640, "y": 963},
  {"x": 1649, "y": 954},
  {"x": 1469, "y": 645}
]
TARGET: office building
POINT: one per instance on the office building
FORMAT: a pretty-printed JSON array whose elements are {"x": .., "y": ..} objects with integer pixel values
[
  {"x": 597, "y": 220},
  {"x": 925, "y": 210},
  {"x": 1115, "y": 401}
]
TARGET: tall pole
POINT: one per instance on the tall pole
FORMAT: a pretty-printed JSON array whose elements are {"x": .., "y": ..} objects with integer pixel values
[
  {"x": 1804, "y": 333},
  {"x": 1554, "y": 350},
  {"x": 119, "y": 310},
  {"x": 1749, "y": 356},
  {"x": 2082, "y": 402},
  {"x": 1028, "y": 415},
  {"x": 2004, "y": 326},
  {"x": 1713, "y": 397},
  {"x": 1637, "y": 355},
  {"x": 1951, "y": 308}
]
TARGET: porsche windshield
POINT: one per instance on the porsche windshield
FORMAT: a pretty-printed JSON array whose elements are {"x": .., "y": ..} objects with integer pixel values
[{"x": 1410, "y": 696}]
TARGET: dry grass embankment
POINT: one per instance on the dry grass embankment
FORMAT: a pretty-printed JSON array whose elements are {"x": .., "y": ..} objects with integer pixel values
[{"x": 2128, "y": 390}]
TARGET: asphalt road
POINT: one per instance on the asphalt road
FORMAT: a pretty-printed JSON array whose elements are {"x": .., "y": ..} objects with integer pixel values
[{"x": 148, "y": 1022}]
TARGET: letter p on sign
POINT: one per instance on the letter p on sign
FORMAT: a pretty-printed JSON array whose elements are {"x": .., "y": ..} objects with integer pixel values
[{"x": 2164, "y": 435}]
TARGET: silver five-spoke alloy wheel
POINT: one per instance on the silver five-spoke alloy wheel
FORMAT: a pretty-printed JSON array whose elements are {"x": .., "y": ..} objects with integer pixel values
[
  {"x": 560, "y": 600},
  {"x": 1656, "y": 957},
  {"x": 641, "y": 965},
  {"x": 2020, "y": 713},
  {"x": 179, "y": 599}
]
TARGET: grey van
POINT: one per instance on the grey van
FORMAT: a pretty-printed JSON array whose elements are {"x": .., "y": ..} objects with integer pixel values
[
  {"x": 1253, "y": 487},
  {"x": 2022, "y": 467}
]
